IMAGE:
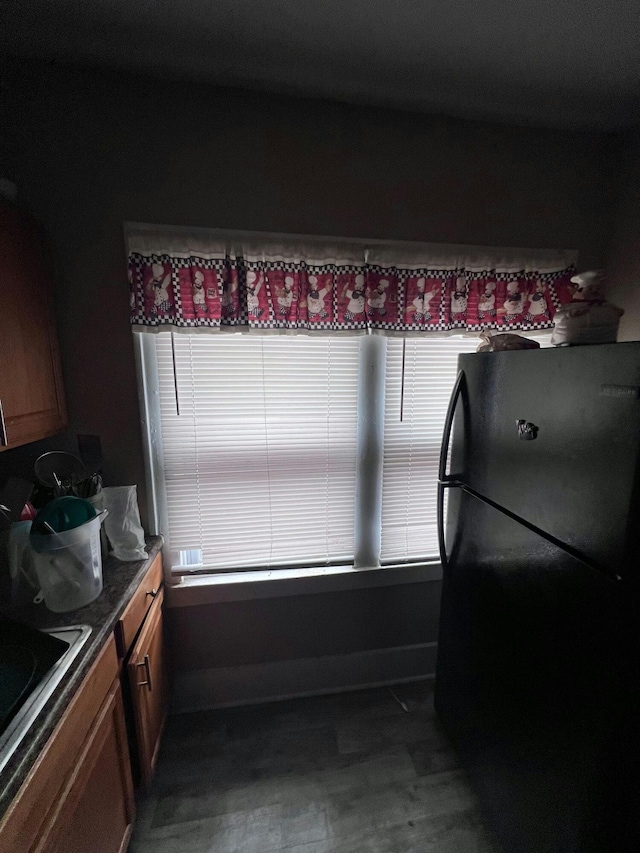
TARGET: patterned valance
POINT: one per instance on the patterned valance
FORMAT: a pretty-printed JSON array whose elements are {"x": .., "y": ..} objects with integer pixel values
[{"x": 202, "y": 279}]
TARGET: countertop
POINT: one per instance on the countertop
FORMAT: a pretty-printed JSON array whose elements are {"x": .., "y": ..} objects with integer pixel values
[{"x": 120, "y": 582}]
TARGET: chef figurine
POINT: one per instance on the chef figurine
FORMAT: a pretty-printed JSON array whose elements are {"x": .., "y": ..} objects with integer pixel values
[
  {"x": 315, "y": 300},
  {"x": 459, "y": 298},
  {"x": 537, "y": 303},
  {"x": 513, "y": 304},
  {"x": 199, "y": 301},
  {"x": 487, "y": 302},
  {"x": 589, "y": 318},
  {"x": 285, "y": 297},
  {"x": 355, "y": 295},
  {"x": 254, "y": 286},
  {"x": 421, "y": 302},
  {"x": 377, "y": 298},
  {"x": 159, "y": 284}
]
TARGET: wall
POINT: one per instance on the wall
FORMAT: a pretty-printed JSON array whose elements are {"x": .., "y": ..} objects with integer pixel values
[
  {"x": 624, "y": 256},
  {"x": 90, "y": 151}
]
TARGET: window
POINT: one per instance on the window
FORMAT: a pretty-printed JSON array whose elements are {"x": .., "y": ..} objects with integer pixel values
[
  {"x": 416, "y": 401},
  {"x": 259, "y": 448},
  {"x": 257, "y": 463}
]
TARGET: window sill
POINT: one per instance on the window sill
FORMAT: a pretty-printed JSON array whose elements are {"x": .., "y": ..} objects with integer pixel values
[{"x": 244, "y": 586}]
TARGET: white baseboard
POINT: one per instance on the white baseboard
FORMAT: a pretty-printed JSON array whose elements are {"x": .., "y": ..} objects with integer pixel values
[{"x": 203, "y": 689}]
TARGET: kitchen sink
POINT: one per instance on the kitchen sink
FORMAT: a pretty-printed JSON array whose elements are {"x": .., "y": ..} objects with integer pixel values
[{"x": 32, "y": 664}]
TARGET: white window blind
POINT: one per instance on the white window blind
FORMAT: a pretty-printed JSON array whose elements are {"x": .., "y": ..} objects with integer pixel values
[
  {"x": 412, "y": 445},
  {"x": 259, "y": 463}
]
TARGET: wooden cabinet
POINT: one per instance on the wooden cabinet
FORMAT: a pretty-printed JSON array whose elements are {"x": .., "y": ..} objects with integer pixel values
[
  {"x": 31, "y": 392},
  {"x": 96, "y": 809},
  {"x": 149, "y": 685},
  {"x": 78, "y": 796},
  {"x": 140, "y": 641}
]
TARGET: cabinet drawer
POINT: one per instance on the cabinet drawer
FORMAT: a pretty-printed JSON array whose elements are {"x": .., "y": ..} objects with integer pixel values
[{"x": 133, "y": 617}]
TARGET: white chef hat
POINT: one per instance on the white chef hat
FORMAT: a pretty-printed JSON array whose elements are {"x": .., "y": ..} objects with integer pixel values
[{"x": 588, "y": 277}]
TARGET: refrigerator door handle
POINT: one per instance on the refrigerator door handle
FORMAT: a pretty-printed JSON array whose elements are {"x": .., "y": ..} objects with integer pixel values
[
  {"x": 448, "y": 424},
  {"x": 442, "y": 545},
  {"x": 444, "y": 480}
]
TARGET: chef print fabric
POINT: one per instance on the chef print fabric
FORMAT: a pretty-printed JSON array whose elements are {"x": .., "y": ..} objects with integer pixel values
[{"x": 232, "y": 290}]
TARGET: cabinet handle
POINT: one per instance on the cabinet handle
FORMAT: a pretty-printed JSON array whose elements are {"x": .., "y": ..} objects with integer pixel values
[
  {"x": 3, "y": 428},
  {"x": 145, "y": 664},
  {"x": 153, "y": 592}
]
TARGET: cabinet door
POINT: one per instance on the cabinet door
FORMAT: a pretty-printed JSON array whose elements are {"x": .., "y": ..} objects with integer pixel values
[
  {"x": 22, "y": 825},
  {"x": 96, "y": 809},
  {"x": 31, "y": 392},
  {"x": 149, "y": 681}
]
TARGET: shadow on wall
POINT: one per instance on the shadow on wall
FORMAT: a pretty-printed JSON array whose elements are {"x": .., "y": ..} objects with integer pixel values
[{"x": 624, "y": 258}]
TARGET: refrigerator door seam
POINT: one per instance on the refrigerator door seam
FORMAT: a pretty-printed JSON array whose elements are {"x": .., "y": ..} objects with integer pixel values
[{"x": 568, "y": 549}]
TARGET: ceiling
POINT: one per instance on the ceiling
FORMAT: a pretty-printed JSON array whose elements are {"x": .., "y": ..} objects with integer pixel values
[{"x": 563, "y": 63}]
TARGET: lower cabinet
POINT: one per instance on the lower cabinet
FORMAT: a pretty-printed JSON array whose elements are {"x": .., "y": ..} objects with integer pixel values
[
  {"x": 96, "y": 809},
  {"x": 78, "y": 796},
  {"x": 148, "y": 676}
]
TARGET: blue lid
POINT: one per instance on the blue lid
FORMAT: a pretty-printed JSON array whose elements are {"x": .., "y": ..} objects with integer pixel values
[{"x": 63, "y": 514}]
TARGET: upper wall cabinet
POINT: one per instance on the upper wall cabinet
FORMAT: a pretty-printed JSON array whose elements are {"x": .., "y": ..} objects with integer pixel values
[{"x": 31, "y": 392}]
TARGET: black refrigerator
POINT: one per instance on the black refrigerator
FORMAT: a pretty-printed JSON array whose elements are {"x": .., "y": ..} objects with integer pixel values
[{"x": 538, "y": 674}]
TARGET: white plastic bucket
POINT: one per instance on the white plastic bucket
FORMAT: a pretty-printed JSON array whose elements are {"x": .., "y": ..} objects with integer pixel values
[{"x": 69, "y": 565}]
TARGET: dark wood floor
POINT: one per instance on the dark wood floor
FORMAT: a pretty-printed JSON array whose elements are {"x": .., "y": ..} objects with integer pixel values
[{"x": 347, "y": 773}]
